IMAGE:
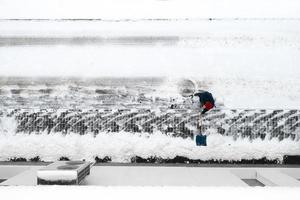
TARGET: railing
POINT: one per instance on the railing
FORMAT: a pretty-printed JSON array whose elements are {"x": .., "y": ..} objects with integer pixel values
[{"x": 264, "y": 124}]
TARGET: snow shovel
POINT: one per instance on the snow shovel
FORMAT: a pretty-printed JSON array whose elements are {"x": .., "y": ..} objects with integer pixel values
[{"x": 200, "y": 138}]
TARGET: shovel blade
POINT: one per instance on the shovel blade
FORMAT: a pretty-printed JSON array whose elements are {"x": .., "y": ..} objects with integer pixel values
[{"x": 201, "y": 140}]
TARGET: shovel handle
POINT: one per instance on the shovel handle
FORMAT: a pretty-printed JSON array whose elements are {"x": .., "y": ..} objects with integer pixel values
[{"x": 200, "y": 121}]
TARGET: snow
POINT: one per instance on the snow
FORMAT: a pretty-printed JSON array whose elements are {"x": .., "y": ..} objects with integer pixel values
[
  {"x": 266, "y": 49},
  {"x": 239, "y": 61},
  {"x": 150, "y": 192},
  {"x": 137, "y": 9},
  {"x": 230, "y": 93},
  {"x": 248, "y": 56},
  {"x": 122, "y": 146},
  {"x": 65, "y": 175}
]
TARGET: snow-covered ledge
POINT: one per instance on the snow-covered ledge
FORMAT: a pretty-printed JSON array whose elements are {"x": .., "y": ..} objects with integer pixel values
[{"x": 167, "y": 175}]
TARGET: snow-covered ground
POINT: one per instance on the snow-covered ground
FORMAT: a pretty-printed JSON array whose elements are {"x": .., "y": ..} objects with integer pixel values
[
  {"x": 245, "y": 63},
  {"x": 154, "y": 9},
  {"x": 251, "y": 64},
  {"x": 123, "y": 146},
  {"x": 89, "y": 93}
]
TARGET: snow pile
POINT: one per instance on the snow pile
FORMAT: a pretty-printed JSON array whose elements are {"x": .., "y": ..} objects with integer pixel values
[
  {"x": 122, "y": 146},
  {"x": 8, "y": 125}
]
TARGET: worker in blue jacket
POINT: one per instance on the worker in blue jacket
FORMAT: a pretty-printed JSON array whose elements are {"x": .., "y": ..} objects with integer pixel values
[{"x": 207, "y": 101}]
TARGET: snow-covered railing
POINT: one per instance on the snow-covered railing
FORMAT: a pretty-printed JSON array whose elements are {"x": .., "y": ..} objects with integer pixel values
[{"x": 264, "y": 124}]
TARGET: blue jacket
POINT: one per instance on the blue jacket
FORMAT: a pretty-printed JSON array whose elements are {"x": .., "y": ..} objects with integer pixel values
[{"x": 205, "y": 97}]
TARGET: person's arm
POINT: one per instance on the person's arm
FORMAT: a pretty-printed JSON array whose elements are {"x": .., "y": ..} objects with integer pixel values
[{"x": 197, "y": 94}]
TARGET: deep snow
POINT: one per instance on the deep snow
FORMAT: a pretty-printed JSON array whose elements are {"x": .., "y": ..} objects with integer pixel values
[
  {"x": 245, "y": 63},
  {"x": 266, "y": 49},
  {"x": 123, "y": 146}
]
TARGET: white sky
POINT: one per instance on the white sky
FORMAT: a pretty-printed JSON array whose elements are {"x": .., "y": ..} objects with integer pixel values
[{"x": 124, "y": 9}]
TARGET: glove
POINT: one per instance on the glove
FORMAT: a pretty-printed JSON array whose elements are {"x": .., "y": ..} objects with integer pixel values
[{"x": 204, "y": 111}]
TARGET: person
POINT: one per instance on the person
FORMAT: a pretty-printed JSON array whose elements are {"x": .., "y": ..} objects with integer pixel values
[{"x": 207, "y": 101}]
